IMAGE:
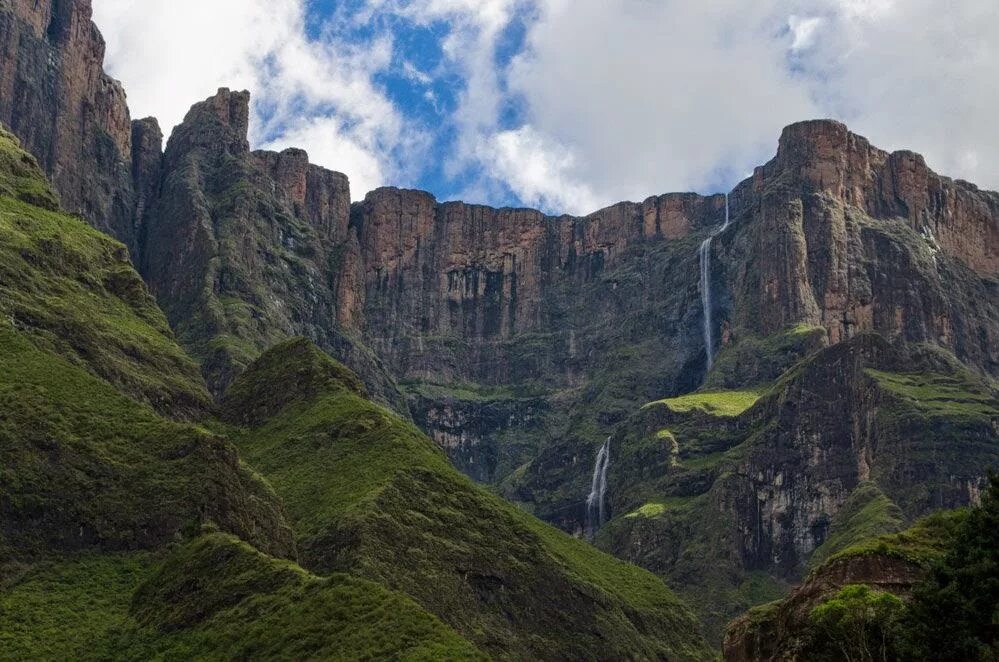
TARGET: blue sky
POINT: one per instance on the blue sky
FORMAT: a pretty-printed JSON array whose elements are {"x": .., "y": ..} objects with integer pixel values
[{"x": 568, "y": 105}]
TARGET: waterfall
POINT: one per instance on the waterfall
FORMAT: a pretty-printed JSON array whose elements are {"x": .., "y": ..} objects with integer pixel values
[
  {"x": 705, "y": 257},
  {"x": 595, "y": 508}
]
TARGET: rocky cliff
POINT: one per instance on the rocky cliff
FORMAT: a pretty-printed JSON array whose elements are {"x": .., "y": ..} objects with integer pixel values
[
  {"x": 55, "y": 97},
  {"x": 728, "y": 494},
  {"x": 243, "y": 248}
]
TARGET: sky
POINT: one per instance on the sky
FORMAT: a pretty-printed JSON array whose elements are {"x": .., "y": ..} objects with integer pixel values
[{"x": 569, "y": 105}]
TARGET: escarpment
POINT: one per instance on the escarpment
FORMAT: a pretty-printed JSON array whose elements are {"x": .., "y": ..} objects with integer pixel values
[{"x": 853, "y": 324}]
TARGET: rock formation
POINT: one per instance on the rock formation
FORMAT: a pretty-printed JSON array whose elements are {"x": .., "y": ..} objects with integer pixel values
[{"x": 55, "y": 97}]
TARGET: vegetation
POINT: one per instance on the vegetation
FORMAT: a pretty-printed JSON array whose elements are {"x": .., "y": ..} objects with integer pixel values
[
  {"x": 857, "y": 625},
  {"x": 71, "y": 291},
  {"x": 953, "y": 614},
  {"x": 369, "y": 494},
  {"x": 756, "y": 361},
  {"x": 245, "y": 605},
  {"x": 868, "y": 513},
  {"x": 721, "y": 403},
  {"x": 955, "y": 396},
  {"x": 943, "y": 607}
]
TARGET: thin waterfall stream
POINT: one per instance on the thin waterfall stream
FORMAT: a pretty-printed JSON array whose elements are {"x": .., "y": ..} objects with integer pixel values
[
  {"x": 705, "y": 257},
  {"x": 595, "y": 509}
]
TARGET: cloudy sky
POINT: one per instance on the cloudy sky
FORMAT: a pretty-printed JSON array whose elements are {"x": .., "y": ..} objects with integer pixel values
[{"x": 569, "y": 105}]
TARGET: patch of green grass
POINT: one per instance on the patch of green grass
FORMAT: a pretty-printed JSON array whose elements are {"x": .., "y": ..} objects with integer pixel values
[
  {"x": 722, "y": 403},
  {"x": 72, "y": 290},
  {"x": 925, "y": 542},
  {"x": 218, "y": 597},
  {"x": 20, "y": 176},
  {"x": 64, "y": 608},
  {"x": 213, "y": 598},
  {"x": 82, "y": 466},
  {"x": 369, "y": 494},
  {"x": 657, "y": 508},
  {"x": 867, "y": 513},
  {"x": 951, "y": 396}
]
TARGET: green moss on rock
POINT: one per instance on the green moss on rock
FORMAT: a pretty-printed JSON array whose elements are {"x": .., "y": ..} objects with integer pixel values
[{"x": 866, "y": 514}]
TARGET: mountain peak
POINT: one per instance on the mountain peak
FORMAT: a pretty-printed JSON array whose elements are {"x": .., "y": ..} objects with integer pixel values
[{"x": 220, "y": 121}]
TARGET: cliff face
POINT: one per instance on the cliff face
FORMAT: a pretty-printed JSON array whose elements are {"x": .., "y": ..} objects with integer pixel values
[
  {"x": 56, "y": 98},
  {"x": 727, "y": 495},
  {"x": 851, "y": 238},
  {"x": 244, "y": 249},
  {"x": 468, "y": 282}
]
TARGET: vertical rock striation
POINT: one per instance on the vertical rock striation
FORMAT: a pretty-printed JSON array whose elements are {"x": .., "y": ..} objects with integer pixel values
[{"x": 56, "y": 98}]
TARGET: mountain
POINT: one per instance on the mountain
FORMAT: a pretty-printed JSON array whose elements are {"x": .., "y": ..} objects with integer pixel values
[
  {"x": 131, "y": 528},
  {"x": 726, "y": 390},
  {"x": 369, "y": 494}
]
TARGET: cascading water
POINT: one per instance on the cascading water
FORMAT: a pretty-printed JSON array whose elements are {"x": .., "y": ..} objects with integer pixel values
[
  {"x": 595, "y": 509},
  {"x": 705, "y": 256}
]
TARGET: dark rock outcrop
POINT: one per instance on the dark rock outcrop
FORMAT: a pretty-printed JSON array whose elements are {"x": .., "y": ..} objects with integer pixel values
[
  {"x": 55, "y": 97},
  {"x": 244, "y": 249}
]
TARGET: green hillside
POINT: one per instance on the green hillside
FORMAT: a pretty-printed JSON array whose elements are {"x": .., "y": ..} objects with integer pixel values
[{"x": 367, "y": 493}]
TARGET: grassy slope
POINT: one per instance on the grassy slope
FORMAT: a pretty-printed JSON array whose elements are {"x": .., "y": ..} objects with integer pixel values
[
  {"x": 213, "y": 598},
  {"x": 72, "y": 291},
  {"x": 867, "y": 513},
  {"x": 96, "y": 481},
  {"x": 86, "y": 460},
  {"x": 370, "y": 494}
]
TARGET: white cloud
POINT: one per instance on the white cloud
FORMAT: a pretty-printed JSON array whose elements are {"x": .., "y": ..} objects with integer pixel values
[
  {"x": 915, "y": 75},
  {"x": 657, "y": 97},
  {"x": 537, "y": 169},
  {"x": 617, "y": 99},
  {"x": 172, "y": 53},
  {"x": 804, "y": 30}
]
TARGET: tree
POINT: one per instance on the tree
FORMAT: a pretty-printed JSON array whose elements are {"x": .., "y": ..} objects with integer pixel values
[
  {"x": 858, "y": 624},
  {"x": 954, "y": 615}
]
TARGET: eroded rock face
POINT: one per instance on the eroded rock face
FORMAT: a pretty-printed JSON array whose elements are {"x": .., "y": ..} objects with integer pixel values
[
  {"x": 484, "y": 277},
  {"x": 56, "y": 98},
  {"x": 852, "y": 238},
  {"x": 243, "y": 249}
]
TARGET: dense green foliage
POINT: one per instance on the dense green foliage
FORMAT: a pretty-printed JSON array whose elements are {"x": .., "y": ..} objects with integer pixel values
[
  {"x": 955, "y": 614},
  {"x": 858, "y": 625},
  {"x": 949, "y": 616},
  {"x": 369, "y": 494}
]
